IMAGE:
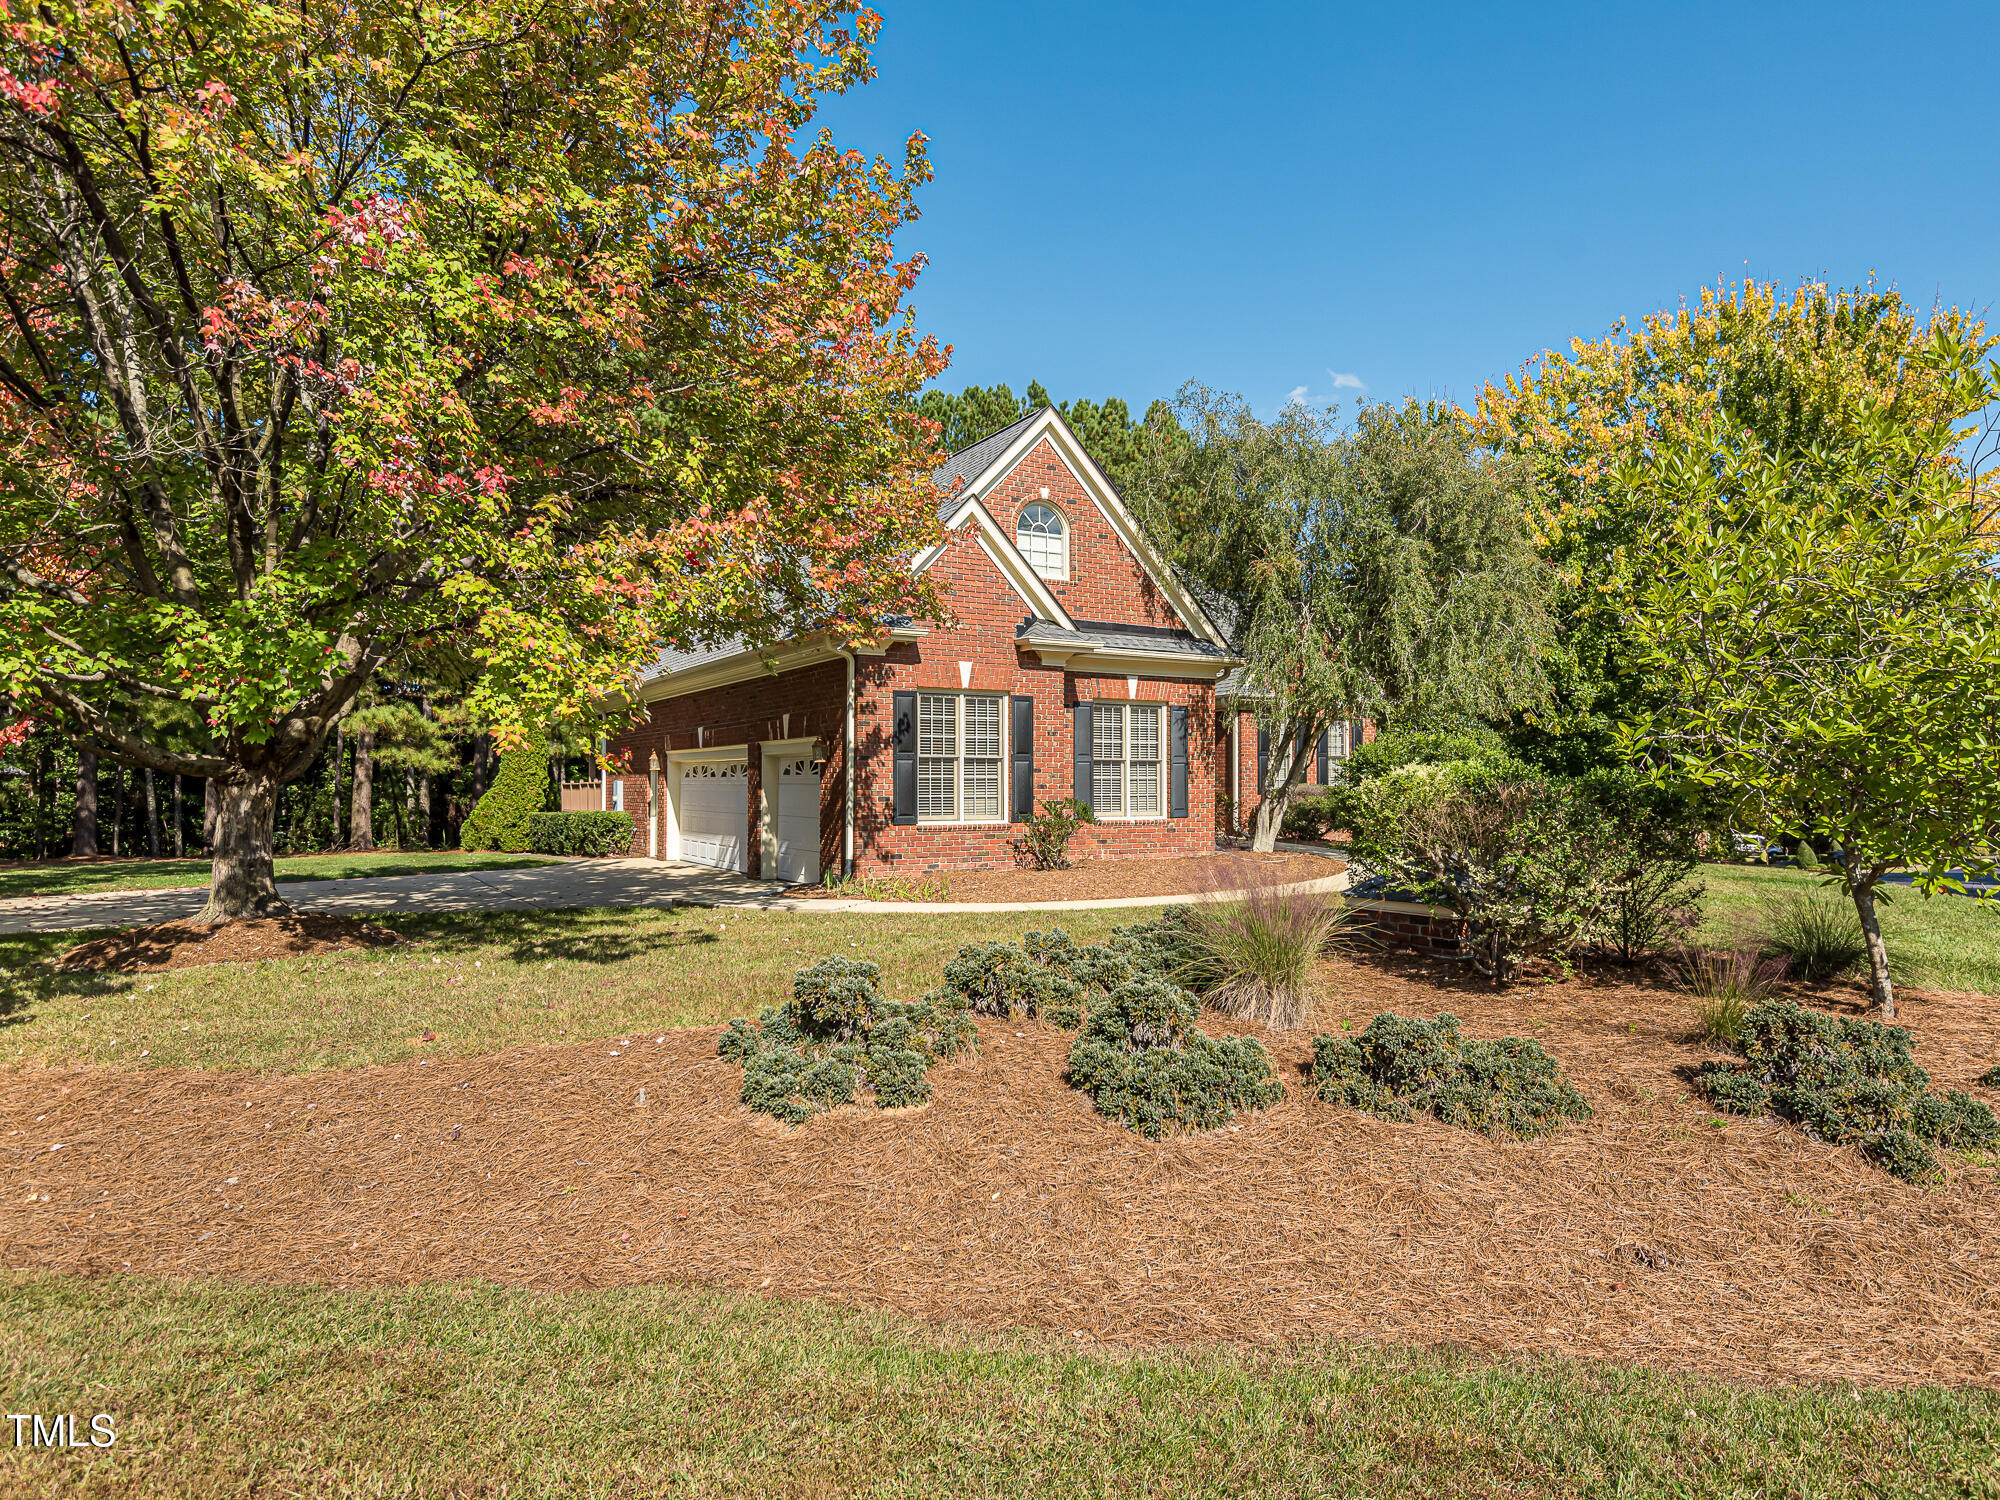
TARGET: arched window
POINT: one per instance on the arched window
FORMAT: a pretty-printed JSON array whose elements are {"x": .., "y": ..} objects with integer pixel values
[{"x": 1044, "y": 541}]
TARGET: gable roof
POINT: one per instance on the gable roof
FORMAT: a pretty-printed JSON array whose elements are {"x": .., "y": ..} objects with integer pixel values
[{"x": 996, "y": 457}]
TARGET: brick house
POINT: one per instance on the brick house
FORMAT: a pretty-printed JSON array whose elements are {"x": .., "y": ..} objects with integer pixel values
[{"x": 1074, "y": 664}]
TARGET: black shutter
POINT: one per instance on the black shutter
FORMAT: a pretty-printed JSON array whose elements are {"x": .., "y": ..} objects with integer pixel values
[
  {"x": 1325, "y": 754},
  {"x": 1081, "y": 754},
  {"x": 1354, "y": 736},
  {"x": 1021, "y": 750},
  {"x": 1177, "y": 763},
  {"x": 906, "y": 757},
  {"x": 1263, "y": 756}
]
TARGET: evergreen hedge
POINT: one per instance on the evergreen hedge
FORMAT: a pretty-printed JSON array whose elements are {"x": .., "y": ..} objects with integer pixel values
[
  {"x": 522, "y": 787},
  {"x": 597, "y": 834},
  {"x": 1847, "y": 1082},
  {"x": 1403, "y": 1064}
]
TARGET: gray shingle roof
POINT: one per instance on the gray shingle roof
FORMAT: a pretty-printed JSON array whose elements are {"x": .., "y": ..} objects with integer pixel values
[
  {"x": 969, "y": 463},
  {"x": 1095, "y": 635}
]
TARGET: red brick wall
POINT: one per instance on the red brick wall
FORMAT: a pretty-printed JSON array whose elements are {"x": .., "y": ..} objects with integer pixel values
[
  {"x": 1105, "y": 580},
  {"x": 747, "y": 714}
]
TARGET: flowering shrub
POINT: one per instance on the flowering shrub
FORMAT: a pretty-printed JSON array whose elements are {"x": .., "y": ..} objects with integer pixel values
[
  {"x": 1404, "y": 1064},
  {"x": 836, "y": 1034},
  {"x": 1847, "y": 1082}
]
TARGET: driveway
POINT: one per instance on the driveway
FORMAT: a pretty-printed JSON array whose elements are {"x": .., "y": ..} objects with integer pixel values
[{"x": 597, "y": 882}]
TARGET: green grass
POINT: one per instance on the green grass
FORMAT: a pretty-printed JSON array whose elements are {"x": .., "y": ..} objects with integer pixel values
[
  {"x": 480, "y": 981},
  {"x": 471, "y": 1389},
  {"x": 62, "y": 878},
  {"x": 1944, "y": 943}
]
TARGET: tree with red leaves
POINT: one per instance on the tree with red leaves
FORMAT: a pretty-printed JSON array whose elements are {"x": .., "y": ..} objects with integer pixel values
[{"x": 497, "y": 342}]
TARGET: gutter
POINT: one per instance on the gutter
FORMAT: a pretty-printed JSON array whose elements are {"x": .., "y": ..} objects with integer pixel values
[{"x": 847, "y": 773}]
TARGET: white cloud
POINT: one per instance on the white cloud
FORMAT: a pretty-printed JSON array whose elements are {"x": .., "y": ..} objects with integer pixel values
[
  {"x": 1347, "y": 382},
  {"x": 1297, "y": 397}
]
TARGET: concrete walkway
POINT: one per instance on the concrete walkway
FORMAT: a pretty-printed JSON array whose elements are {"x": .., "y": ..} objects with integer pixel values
[{"x": 580, "y": 883}]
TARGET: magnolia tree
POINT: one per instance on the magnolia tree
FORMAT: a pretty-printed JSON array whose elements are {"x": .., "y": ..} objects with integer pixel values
[
  {"x": 1384, "y": 571},
  {"x": 506, "y": 339}
]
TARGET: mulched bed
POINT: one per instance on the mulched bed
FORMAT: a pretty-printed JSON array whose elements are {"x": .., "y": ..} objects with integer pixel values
[
  {"x": 1101, "y": 879},
  {"x": 191, "y": 945},
  {"x": 1647, "y": 1235}
]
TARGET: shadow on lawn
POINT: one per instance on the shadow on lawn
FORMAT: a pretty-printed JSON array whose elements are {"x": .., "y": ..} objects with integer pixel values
[
  {"x": 26, "y": 975},
  {"x": 594, "y": 936}
]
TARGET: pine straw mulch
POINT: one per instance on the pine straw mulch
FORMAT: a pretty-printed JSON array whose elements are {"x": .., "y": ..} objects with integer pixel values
[
  {"x": 1645, "y": 1236},
  {"x": 1102, "y": 879},
  {"x": 191, "y": 945}
]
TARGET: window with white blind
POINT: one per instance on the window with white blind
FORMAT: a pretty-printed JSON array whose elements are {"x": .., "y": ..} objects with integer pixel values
[
  {"x": 1126, "y": 763},
  {"x": 958, "y": 758}
]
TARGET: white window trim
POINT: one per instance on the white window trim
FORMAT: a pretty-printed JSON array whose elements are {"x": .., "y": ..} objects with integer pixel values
[
  {"x": 1165, "y": 762},
  {"x": 1061, "y": 576},
  {"x": 1004, "y": 819}
]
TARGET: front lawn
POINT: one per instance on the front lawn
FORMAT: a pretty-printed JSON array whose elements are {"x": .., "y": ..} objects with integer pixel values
[
  {"x": 1943, "y": 943},
  {"x": 474, "y": 1389},
  {"x": 62, "y": 877},
  {"x": 479, "y": 982}
]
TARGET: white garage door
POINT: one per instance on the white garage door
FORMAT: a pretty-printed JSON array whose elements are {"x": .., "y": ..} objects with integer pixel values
[
  {"x": 798, "y": 821},
  {"x": 715, "y": 814}
]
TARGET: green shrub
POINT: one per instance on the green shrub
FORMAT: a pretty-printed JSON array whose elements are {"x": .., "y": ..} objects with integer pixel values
[
  {"x": 835, "y": 1033},
  {"x": 1316, "y": 814},
  {"x": 1525, "y": 861},
  {"x": 593, "y": 833},
  {"x": 1141, "y": 1062},
  {"x": 1847, "y": 1082},
  {"x": 522, "y": 787},
  {"x": 1820, "y": 939},
  {"x": 1401, "y": 1065},
  {"x": 1991, "y": 1077},
  {"x": 1001, "y": 979},
  {"x": 1045, "y": 836},
  {"x": 1467, "y": 745},
  {"x": 1253, "y": 958}
]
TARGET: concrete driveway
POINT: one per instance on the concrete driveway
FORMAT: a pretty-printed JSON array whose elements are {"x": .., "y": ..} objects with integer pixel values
[{"x": 596, "y": 882}]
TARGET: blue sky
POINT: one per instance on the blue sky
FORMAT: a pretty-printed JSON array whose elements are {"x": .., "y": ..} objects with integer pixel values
[{"x": 1405, "y": 198}]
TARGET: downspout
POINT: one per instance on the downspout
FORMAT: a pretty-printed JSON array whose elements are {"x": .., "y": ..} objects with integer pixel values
[{"x": 847, "y": 774}]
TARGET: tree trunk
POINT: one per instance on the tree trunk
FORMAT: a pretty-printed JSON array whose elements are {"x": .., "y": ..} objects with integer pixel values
[
  {"x": 1879, "y": 986},
  {"x": 152, "y": 817},
  {"x": 84, "y": 842},
  {"x": 117, "y": 805},
  {"x": 338, "y": 838},
  {"x": 180, "y": 838},
  {"x": 426, "y": 831},
  {"x": 1269, "y": 820},
  {"x": 361, "y": 813},
  {"x": 241, "y": 884},
  {"x": 208, "y": 805},
  {"x": 44, "y": 769}
]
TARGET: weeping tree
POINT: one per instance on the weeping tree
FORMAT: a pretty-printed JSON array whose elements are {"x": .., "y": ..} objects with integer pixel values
[
  {"x": 340, "y": 339},
  {"x": 1382, "y": 572}
]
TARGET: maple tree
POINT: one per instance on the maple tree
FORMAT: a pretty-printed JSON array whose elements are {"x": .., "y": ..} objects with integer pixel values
[{"x": 500, "y": 339}]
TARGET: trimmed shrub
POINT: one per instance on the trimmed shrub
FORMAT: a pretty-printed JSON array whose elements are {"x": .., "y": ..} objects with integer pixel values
[
  {"x": 597, "y": 834},
  {"x": 521, "y": 788},
  {"x": 1142, "y": 1063},
  {"x": 1847, "y": 1082},
  {"x": 1405, "y": 1064},
  {"x": 836, "y": 1033},
  {"x": 1002, "y": 979},
  {"x": 1991, "y": 1077},
  {"x": 1045, "y": 836},
  {"x": 1819, "y": 939}
]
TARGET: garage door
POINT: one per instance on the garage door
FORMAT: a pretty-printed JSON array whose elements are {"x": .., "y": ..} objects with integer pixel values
[
  {"x": 715, "y": 814},
  {"x": 798, "y": 821}
]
